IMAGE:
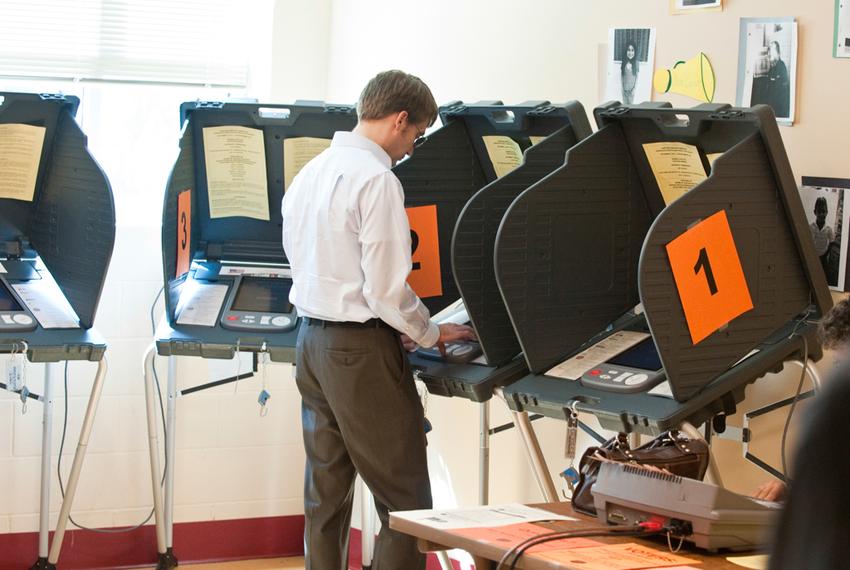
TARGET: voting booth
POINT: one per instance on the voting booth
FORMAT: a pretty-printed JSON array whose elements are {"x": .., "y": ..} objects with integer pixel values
[
  {"x": 225, "y": 274},
  {"x": 695, "y": 215},
  {"x": 57, "y": 231},
  {"x": 457, "y": 186}
]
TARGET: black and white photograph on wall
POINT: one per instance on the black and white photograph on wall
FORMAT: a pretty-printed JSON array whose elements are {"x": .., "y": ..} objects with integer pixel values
[
  {"x": 824, "y": 201},
  {"x": 630, "y": 64},
  {"x": 767, "y": 65},
  {"x": 841, "y": 43},
  {"x": 695, "y": 6}
]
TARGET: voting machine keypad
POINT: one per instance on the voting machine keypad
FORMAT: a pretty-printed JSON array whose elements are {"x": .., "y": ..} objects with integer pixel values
[
  {"x": 618, "y": 378},
  {"x": 456, "y": 352}
]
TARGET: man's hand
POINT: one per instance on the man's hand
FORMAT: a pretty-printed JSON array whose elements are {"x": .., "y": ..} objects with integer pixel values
[
  {"x": 772, "y": 490},
  {"x": 408, "y": 343},
  {"x": 450, "y": 332}
]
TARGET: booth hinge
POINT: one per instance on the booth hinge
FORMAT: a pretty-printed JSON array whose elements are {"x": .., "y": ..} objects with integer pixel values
[
  {"x": 727, "y": 115},
  {"x": 343, "y": 109}
]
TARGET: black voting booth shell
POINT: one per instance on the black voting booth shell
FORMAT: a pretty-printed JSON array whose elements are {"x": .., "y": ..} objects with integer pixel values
[
  {"x": 452, "y": 170},
  {"x": 70, "y": 224},
  {"x": 587, "y": 243},
  {"x": 234, "y": 239}
]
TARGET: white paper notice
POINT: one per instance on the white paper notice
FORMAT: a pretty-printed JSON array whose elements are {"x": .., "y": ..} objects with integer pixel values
[
  {"x": 20, "y": 155},
  {"x": 256, "y": 271},
  {"x": 573, "y": 368},
  {"x": 47, "y": 304},
  {"x": 236, "y": 172},
  {"x": 455, "y": 313},
  {"x": 664, "y": 390},
  {"x": 297, "y": 152},
  {"x": 479, "y": 517},
  {"x": 200, "y": 304}
]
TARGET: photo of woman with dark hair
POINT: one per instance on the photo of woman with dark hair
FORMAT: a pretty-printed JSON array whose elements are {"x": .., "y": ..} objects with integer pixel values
[
  {"x": 629, "y": 73},
  {"x": 631, "y": 57}
]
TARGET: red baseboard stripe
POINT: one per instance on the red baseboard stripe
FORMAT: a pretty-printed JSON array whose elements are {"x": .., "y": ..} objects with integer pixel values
[
  {"x": 213, "y": 541},
  {"x": 194, "y": 542}
]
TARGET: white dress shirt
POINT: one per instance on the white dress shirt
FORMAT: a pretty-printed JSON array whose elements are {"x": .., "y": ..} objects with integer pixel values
[{"x": 347, "y": 238}]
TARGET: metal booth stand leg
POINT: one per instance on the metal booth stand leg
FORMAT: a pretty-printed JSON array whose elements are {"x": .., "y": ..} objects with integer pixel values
[
  {"x": 744, "y": 435},
  {"x": 533, "y": 452},
  {"x": 153, "y": 448},
  {"x": 367, "y": 525},
  {"x": 170, "y": 422},
  {"x": 48, "y": 555},
  {"x": 163, "y": 515}
]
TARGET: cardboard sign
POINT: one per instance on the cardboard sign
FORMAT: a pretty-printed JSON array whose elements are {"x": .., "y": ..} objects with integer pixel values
[
  {"x": 709, "y": 276},
  {"x": 184, "y": 231},
  {"x": 425, "y": 277}
]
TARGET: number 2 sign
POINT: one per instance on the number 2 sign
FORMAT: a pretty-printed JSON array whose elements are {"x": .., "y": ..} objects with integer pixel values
[
  {"x": 425, "y": 277},
  {"x": 709, "y": 276}
]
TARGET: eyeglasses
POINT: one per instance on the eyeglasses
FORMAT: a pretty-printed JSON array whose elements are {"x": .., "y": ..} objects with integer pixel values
[{"x": 419, "y": 141}]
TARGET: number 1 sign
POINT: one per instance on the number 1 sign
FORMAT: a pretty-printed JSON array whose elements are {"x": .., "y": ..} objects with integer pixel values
[{"x": 709, "y": 276}]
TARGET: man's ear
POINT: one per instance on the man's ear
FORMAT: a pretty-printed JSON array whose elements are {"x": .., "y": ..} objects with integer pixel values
[{"x": 401, "y": 120}]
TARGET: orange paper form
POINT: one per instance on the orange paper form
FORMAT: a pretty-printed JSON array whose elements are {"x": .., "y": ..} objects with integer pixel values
[
  {"x": 511, "y": 535},
  {"x": 629, "y": 556}
]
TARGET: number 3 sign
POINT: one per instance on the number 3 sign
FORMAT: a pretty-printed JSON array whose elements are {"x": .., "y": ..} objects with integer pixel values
[
  {"x": 184, "y": 231},
  {"x": 709, "y": 276}
]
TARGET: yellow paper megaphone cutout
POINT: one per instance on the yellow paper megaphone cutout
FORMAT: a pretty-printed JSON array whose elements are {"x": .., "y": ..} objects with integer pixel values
[{"x": 693, "y": 78}]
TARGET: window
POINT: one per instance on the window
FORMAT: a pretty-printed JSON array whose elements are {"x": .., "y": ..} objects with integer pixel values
[{"x": 132, "y": 63}]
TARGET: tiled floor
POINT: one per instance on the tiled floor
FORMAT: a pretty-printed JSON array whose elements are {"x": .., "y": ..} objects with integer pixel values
[{"x": 267, "y": 564}]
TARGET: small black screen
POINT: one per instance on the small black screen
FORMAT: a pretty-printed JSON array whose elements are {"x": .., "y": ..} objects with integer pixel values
[
  {"x": 7, "y": 300},
  {"x": 643, "y": 355},
  {"x": 263, "y": 295}
]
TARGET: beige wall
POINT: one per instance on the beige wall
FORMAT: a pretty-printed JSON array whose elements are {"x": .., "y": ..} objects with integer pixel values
[{"x": 502, "y": 49}]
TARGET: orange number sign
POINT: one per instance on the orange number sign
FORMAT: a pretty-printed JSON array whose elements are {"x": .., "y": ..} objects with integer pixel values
[
  {"x": 425, "y": 278},
  {"x": 709, "y": 276},
  {"x": 184, "y": 231}
]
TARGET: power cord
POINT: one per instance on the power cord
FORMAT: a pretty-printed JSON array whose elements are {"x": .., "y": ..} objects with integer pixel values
[
  {"x": 65, "y": 428},
  {"x": 794, "y": 405},
  {"x": 511, "y": 557}
]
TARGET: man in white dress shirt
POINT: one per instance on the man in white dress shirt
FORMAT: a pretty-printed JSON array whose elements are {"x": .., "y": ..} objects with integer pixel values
[{"x": 347, "y": 237}]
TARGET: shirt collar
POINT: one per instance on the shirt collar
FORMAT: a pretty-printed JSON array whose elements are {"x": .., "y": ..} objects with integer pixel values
[{"x": 347, "y": 138}]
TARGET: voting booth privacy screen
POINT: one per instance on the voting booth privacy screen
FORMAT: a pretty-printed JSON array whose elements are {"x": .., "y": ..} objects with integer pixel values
[
  {"x": 226, "y": 274},
  {"x": 694, "y": 214},
  {"x": 57, "y": 226},
  {"x": 457, "y": 186}
]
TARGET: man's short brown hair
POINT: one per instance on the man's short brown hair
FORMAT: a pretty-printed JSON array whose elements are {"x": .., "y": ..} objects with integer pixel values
[{"x": 394, "y": 91}]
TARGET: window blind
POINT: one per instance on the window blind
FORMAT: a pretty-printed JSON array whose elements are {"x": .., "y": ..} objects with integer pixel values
[{"x": 199, "y": 42}]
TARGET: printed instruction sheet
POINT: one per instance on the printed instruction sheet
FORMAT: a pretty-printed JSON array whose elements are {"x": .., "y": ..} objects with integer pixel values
[
  {"x": 20, "y": 155},
  {"x": 677, "y": 167},
  {"x": 236, "y": 172},
  {"x": 47, "y": 303},
  {"x": 201, "y": 304},
  {"x": 297, "y": 152},
  {"x": 504, "y": 153},
  {"x": 602, "y": 351},
  {"x": 479, "y": 517}
]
